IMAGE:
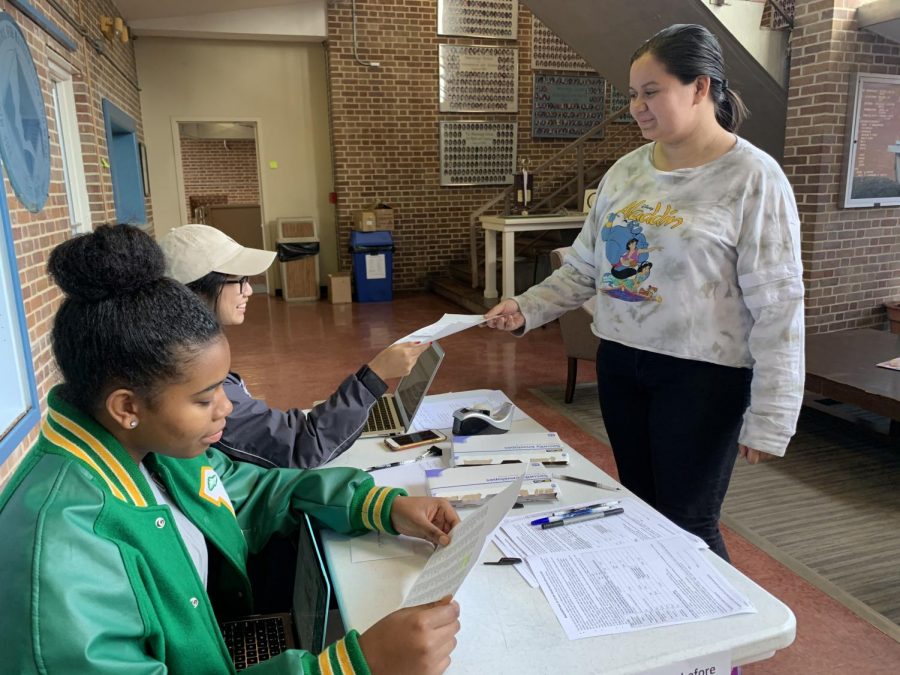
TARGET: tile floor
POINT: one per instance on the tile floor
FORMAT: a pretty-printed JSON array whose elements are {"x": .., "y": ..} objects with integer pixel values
[{"x": 294, "y": 354}]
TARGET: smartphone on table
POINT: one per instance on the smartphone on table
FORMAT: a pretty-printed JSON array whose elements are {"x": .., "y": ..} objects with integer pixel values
[{"x": 406, "y": 441}]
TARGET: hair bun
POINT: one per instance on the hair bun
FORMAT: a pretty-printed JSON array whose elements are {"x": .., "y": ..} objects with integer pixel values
[{"x": 112, "y": 261}]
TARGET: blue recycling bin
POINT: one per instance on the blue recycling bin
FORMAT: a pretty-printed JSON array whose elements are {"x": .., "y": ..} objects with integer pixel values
[{"x": 373, "y": 265}]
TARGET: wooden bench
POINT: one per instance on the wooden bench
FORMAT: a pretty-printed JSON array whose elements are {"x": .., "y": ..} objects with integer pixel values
[{"x": 842, "y": 366}]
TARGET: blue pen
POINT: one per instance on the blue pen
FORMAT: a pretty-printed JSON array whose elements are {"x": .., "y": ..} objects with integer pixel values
[{"x": 576, "y": 512}]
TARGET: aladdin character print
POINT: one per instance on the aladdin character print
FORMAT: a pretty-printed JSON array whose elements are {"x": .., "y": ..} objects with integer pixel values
[{"x": 628, "y": 253}]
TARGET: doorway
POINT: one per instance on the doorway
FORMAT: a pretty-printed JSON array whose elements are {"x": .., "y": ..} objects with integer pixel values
[{"x": 220, "y": 181}]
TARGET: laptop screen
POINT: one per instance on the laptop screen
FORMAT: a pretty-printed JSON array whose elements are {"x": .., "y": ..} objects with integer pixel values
[
  {"x": 412, "y": 389},
  {"x": 312, "y": 591}
]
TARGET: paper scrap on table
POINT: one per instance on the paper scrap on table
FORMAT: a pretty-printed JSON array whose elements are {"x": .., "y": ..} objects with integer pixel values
[
  {"x": 438, "y": 414},
  {"x": 381, "y": 546},
  {"x": 447, "y": 325},
  {"x": 893, "y": 364},
  {"x": 653, "y": 583},
  {"x": 449, "y": 566}
]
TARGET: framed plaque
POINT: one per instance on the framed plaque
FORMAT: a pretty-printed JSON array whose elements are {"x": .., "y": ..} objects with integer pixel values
[
  {"x": 478, "y": 79},
  {"x": 616, "y": 101},
  {"x": 548, "y": 52},
  {"x": 566, "y": 106},
  {"x": 479, "y": 18},
  {"x": 478, "y": 153}
]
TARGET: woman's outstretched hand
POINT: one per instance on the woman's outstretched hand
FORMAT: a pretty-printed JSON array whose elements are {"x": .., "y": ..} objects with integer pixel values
[{"x": 505, "y": 315}]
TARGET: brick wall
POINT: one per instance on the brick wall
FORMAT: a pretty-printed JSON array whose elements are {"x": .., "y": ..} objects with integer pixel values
[
  {"x": 851, "y": 256},
  {"x": 385, "y": 130},
  {"x": 213, "y": 166},
  {"x": 35, "y": 234}
]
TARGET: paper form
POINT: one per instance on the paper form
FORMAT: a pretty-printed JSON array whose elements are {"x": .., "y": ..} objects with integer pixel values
[
  {"x": 449, "y": 566},
  {"x": 518, "y": 538},
  {"x": 447, "y": 325},
  {"x": 439, "y": 414},
  {"x": 378, "y": 546},
  {"x": 645, "y": 585}
]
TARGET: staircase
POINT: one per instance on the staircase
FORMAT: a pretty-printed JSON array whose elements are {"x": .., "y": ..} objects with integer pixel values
[{"x": 605, "y": 33}]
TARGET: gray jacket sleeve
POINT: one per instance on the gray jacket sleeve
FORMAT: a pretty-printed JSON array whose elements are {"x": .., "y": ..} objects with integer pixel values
[{"x": 269, "y": 437}]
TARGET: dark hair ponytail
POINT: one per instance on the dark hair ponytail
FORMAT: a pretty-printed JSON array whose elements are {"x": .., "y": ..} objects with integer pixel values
[
  {"x": 122, "y": 323},
  {"x": 688, "y": 51}
]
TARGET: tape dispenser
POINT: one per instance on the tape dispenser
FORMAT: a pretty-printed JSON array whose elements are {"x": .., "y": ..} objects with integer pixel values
[{"x": 479, "y": 421}]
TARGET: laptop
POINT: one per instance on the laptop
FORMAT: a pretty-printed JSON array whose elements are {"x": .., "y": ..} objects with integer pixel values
[
  {"x": 393, "y": 414},
  {"x": 256, "y": 638}
]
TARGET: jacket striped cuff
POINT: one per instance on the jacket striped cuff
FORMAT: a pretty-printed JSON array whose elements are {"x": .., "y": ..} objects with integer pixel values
[
  {"x": 344, "y": 657},
  {"x": 371, "y": 507}
]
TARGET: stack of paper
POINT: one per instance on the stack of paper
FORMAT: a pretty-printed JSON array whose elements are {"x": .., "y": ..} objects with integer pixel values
[
  {"x": 543, "y": 447},
  {"x": 472, "y": 485},
  {"x": 618, "y": 574}
]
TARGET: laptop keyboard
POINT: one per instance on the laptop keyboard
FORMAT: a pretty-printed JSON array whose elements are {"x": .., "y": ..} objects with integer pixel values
[
  {"x": 254, "y": 640},
  {"x": 381, "y": 416}
]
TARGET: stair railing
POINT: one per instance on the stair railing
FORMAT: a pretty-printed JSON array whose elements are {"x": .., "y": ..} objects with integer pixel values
[{"x": 504, "y": 195}]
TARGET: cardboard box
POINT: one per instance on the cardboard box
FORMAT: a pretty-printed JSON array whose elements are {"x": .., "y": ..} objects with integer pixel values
[
  {"x": 373, "y": 219},
  {"x": 339, "y": 288}
]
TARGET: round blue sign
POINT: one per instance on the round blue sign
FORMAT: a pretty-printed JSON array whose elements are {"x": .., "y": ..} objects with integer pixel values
[{"x": 24, "y": 142}]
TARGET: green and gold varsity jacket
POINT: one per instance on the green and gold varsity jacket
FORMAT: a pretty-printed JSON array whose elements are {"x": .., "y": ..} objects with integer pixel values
[{"x": 97, "y": 579}]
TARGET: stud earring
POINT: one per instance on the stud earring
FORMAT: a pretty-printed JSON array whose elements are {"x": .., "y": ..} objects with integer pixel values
[{"x": 133, "y": 424}]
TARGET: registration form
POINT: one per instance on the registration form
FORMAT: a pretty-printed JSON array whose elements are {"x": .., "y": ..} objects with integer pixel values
[{"x": 644, "y": 585}]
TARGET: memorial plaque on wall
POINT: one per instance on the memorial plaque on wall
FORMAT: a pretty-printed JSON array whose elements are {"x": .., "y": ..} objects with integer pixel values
[
  {"x": 479, "y": 18},
  {"x": 478, "y": 79},
  {"x": 478, "y": 153},
  {"x": 566, "y": 106},
  {"x": 616, "y": 101},
  {"x": 548, "y": 52}
]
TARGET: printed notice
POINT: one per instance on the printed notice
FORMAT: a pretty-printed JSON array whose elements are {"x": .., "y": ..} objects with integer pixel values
[{"x": 375, "y": 266}]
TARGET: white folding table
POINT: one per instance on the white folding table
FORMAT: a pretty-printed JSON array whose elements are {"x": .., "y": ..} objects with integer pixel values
[{"x": 508, "y": 627}]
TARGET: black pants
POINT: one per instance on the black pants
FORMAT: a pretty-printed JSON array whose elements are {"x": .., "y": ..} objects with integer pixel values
[{"x": 673, "y": 425}]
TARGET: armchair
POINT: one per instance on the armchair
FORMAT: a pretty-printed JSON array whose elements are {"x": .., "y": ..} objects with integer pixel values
[{"x": 579, "y": 341}]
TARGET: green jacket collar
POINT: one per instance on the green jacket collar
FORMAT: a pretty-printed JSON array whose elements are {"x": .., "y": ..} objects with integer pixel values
[{"x": 68, "y": 430}]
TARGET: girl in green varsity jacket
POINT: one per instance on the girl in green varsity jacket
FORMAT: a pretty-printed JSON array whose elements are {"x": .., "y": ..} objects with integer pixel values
[{"x": 126, "y": 537}]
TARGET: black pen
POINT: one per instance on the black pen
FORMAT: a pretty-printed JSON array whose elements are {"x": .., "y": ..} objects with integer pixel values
[
  {"x": 580, "y": 519},
  {"x": 585, "y": 481},
  {"x": 433, "y": 451},
  {"x": 504, "y": 561}
]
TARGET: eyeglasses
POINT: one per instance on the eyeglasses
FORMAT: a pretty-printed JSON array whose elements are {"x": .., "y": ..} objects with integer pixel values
[{"x": 240, "y": 282}]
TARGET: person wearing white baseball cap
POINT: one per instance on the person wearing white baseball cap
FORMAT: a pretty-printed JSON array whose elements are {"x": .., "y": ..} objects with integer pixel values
[{"x": 217, "y": 268}]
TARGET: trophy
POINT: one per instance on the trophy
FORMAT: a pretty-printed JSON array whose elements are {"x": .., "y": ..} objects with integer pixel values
[{"x": 524, "y": 185}]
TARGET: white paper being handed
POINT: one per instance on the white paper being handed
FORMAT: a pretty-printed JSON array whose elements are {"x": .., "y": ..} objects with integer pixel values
[
  {"x": 445, "y": 326},
  {"x": 449, "y": 566}
]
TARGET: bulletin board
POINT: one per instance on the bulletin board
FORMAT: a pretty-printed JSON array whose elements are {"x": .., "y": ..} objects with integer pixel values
[
  {"x": 478, "y": 153},
  {"x": 566, "y": 106},
  {"x": 872, "y": 171}
]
